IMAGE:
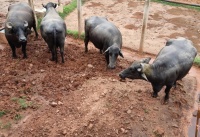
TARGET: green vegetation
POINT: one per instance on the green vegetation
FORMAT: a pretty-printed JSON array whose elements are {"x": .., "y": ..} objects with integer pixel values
[
  {"x": 74, "y": 34},
  {"x": 66, "y": 11},
  {"x": 2, "y": 113},
  {"x": 146, "y": 111},
  {"x": 23, "y": 104},
  {"x": 17, "y": 117},
  {"x": 39, "y": 22},
  {"x": 197, "y": 61},
  {"x": 5, "y": 126},
  {"x": 62, "y": 15},
  {"x": 69, "y": 8},
  {"x": 176, "y": 4}
]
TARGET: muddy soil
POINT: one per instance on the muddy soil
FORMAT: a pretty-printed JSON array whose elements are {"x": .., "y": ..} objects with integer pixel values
[{"x": 82, "y": 97}]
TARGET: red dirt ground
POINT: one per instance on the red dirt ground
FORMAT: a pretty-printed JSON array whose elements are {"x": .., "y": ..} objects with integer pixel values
[
  {"x": 88, "y": 99},
  {"x": 39, "y": 98}
]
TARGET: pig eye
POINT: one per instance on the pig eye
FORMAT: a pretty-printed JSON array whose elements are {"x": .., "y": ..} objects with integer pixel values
[
  {"x": 132, "y": 69},
  {"x": 13, "y": 30},
  {"x": 110, "y": 54}
]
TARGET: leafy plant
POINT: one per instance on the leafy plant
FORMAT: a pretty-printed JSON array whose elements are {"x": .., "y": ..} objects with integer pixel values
[
  {"x": 22, "y": 102},
  {"x": 197, "y": 61},
  {"x": 6, "y": 126},
  {"x": 2, "y": 113},
  {"x": 14, "y": 99},
  {"x": 39, "y": 20},
  {"x": 17, "y": 117}
]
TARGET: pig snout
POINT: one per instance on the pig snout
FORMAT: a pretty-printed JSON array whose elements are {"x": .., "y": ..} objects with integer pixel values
[
  {"x": 122, "y": 76},
  {"x": 111, "y": 66}
]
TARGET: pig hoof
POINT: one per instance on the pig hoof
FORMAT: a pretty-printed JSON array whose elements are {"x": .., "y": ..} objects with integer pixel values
[
  {"x": 122, "y": 80},
  {"x": 14, "y": 57},
  {"x": 154, "y": 95},
  {"x": 164, "y": 101}
]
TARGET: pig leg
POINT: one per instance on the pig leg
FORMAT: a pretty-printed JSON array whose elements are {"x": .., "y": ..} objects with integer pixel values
[
  {"x": 51, "y": 47},
  {"x": 174, "y": 85},
  {"x": 101, "y": 51},
  {"x": 35, "y": 29},
  {"x": 24, "y": 50},
  {"x": 86, "y": 40},
  {"x": 13, "y": 50},
  {"x": 166, "y": 98},
  {"x": 156, "y": 89},
  {"x": 62, "y": 52},
  {"x": 54, "y": 54},
  {"x": 107, "y": 58}
]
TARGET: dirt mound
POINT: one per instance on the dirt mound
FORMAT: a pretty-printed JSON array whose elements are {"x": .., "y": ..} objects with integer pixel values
[{"x": 82, "y": 97}]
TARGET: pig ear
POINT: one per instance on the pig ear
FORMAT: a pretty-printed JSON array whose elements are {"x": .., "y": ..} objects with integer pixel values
[
  {"x": 55, "y": 5},
  {"x": 44, "y": 6},
  {"x": 106, "y": 50},
  {"x": 120, "y": 53},
  {"x": 146, "y": 60},
  {"x": 25, "y": 24},
  {"x": 139, "y": 69},
  {"x": 9, "y": 25}
]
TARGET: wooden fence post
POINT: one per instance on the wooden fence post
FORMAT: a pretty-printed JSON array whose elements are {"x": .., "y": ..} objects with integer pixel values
[
  {"x": 58, "y": 2},
  {"x": 144, "y": 25},
  {"x": 32, "y": 6},
  {"x": 79, "y": 17}
]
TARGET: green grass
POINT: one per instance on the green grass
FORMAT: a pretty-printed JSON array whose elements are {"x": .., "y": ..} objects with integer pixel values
[
  {"x": 39, "y": 22},
  {"x": 23, "y": 104},
  {"x": 197, "y": 61},
  {"x": 69, "y": 8},
  {"x": 146, "y": 111},
  {"x": 74, "y": 34},
  {"x": 5, "y": 126},
  {"x": 2, "y": 113},
  {"x": 62, "y": 15},
  {"x": 177, "y": 5},
  {"x": 17, "y": 117}
]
